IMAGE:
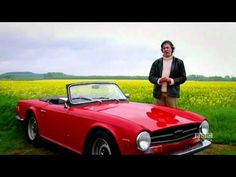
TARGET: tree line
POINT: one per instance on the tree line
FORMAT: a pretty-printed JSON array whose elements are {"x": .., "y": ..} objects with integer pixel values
[{"x": 60, "y": 75}]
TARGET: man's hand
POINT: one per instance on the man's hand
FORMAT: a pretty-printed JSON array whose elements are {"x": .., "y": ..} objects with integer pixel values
[
  {"x": 168, "y": 80},
  {"x": 163, "y": 79}
]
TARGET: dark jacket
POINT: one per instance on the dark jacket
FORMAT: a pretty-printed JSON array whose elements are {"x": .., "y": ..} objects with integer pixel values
[{"x": 177, "y": 73}]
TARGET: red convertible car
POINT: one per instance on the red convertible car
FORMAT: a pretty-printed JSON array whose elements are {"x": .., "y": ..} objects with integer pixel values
[{"x": 96, "y": 118}]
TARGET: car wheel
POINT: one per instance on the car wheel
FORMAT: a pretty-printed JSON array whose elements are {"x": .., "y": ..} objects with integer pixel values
[
  {"x": 32, "y": 129},
  {"x": 102, "y": 143}
]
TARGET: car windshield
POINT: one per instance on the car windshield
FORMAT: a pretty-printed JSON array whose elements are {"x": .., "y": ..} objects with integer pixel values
[{"x": 95, "y": 92}]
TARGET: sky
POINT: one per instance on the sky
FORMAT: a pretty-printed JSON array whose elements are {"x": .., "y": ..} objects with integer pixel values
[{"x": 116, "y": 48}]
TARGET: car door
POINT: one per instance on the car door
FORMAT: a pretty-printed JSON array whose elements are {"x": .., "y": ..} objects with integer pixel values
[
  {"x": 77, "y": 127},
  {"x": 53, "y": 120}
]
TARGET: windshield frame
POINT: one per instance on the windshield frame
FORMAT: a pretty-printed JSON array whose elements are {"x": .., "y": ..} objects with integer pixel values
[{"x": 70, "y": 102}]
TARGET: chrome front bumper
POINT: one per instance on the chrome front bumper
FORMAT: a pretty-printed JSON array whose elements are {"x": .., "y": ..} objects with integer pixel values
[
  {"x": 18, "y": 118},
  {"x": 198, "y": 147}
]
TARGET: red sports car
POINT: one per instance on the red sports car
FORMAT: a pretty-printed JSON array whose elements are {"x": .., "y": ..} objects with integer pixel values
[{"x": 96, "y": 118}]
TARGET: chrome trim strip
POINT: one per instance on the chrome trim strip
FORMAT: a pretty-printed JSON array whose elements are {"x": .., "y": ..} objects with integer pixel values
[
  {"x": 161, "y": 136},
  {"x": 189, "y": 130},
  {"x": 154, "y": 143},
  {"x": 198, "y": 147}
]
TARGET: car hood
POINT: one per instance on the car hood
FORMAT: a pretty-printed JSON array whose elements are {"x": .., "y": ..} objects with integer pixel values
[{"x": 149, "y": 116}]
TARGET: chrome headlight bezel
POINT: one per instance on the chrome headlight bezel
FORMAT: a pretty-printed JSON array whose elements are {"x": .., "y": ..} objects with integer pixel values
[
  {"x": 143, "y": 141},
  {"x": 204, "y": 128}
]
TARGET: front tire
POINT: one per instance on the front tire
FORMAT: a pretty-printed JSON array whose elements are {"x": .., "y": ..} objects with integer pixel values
[
  {"x": 102, "y": 143},
  {"x": 32, "y": 129}
]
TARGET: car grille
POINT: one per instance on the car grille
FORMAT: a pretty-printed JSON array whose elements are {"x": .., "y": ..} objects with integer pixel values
[{"x": 174, "y": 134}]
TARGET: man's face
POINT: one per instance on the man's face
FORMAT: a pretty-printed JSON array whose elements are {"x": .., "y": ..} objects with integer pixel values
[{"x": 166, "y": 50}]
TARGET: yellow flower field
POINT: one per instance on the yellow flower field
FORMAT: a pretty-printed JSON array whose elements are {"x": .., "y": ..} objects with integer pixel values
[
  {"x": 193, "y": 93},
  {"x": 214, "y": 100}
]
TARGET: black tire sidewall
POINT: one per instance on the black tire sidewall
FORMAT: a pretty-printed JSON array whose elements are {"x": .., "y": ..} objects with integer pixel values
[
  {"x": 107, "y": 137},
  {"x": 36, "y": 139}
]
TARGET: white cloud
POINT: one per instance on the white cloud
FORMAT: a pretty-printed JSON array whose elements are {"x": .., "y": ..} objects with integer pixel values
[{"x": 118, "y": 48}]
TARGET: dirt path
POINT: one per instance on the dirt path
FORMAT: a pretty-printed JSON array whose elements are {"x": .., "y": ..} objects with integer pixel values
[{"x": 219, "y": 149}]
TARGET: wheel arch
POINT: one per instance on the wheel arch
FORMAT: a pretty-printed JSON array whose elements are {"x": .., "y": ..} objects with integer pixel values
[
  {"x": 29, "y": 112},
  {"x": 97, "y": 129}
]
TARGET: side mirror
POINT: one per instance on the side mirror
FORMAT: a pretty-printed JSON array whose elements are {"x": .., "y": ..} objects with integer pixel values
[
  {"x": 127, "y": 95},
  {"x": 63, "y": 100}
]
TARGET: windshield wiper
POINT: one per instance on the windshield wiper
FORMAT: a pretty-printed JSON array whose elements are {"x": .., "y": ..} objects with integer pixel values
[
  {"x": 123, "y": 99},
  {"x": 114, "y": 99},
  {"x": 107, "y": 99},
  {"x": 83, "y": 98},
  {"x": 103, "y": 98},
  {"x": 86, "y": 98}
]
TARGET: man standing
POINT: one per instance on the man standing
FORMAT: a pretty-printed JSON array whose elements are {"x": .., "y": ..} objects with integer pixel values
[{"x": 167, "y": 73}]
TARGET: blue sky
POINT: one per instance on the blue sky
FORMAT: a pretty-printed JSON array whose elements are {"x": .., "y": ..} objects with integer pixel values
[{"x": 115, "y": 48}]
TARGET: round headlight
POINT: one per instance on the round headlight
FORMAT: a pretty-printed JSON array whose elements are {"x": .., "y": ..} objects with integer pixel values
[
  {"x": 143, "y": 141},
  {"x": 204, "y": 127}
]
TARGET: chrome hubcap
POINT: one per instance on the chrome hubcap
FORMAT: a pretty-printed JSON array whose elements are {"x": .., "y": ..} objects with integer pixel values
[
  {"x": 101, "y": 147},
  {"x": 32, "y": 128}
]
